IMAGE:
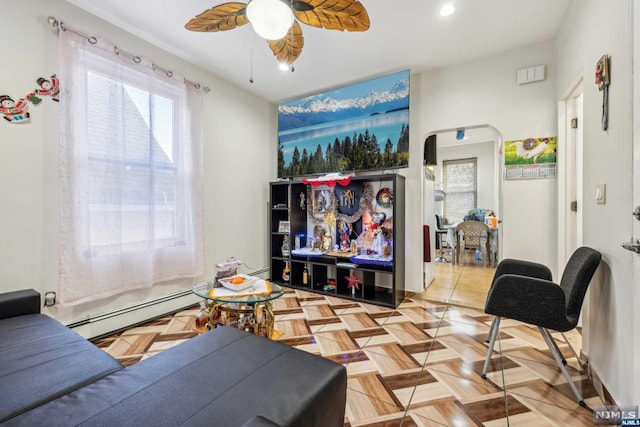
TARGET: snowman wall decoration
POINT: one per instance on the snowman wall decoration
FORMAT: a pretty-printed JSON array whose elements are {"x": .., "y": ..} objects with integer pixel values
[
  {"x": 17, "y": 112},
  {"x": 14, "y": 112}
]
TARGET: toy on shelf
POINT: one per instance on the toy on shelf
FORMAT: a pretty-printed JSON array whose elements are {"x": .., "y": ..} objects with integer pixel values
[{"x": 330, "y": 286}]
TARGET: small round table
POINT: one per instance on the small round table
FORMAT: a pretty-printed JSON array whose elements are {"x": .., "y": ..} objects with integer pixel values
[{"x": 251, "y": 313}]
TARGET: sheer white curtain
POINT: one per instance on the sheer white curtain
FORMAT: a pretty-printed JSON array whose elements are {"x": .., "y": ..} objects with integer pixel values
[
  {"x": 461, "y": 186},
  {"x": 130, "y": 173}
]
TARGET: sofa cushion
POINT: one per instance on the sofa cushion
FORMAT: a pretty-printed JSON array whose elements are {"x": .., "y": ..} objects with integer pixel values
[
  {"x": 224, "y": 377},
  {"x": 41, "y": 360}
]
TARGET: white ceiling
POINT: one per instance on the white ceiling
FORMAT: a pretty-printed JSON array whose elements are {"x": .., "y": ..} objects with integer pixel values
[{"x": 404, "y": 34}]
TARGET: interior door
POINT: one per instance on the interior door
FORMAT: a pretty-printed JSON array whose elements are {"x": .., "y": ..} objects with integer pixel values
[
  {"x": 570, "y": 180},
  {"x": 574, "y": 219}
]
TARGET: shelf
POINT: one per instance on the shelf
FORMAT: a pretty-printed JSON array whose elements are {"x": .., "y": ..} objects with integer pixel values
[
  {"x": 380, "y": 284},
  {"x": 379, "y": 298}
]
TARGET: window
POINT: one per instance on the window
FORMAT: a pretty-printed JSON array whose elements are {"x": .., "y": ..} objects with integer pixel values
[
  {"x": 460, "y": 184},
  {"x": 130, "y": 174}
]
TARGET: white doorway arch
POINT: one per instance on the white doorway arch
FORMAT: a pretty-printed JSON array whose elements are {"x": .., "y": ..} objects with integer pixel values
[{"x": 447, "y": 137}]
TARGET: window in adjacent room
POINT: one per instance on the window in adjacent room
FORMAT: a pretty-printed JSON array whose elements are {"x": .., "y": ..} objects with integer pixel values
[
  {"x": 461, "y": 186},
  {"x": 131, "y": 174}
]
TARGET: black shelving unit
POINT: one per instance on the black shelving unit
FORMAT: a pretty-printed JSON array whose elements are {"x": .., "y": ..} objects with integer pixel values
[{"x": 382, "y": 285}]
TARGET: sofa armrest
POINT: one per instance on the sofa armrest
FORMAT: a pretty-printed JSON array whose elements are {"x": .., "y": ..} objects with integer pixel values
[{"x": 18, "y": 303}]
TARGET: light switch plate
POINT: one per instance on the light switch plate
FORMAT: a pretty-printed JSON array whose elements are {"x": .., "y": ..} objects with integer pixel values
[{"x": 601, "y": 194}]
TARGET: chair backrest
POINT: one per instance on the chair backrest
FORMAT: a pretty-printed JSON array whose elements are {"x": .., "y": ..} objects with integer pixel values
[
  {"x": 472, "y": 231},
  {"x": 439, "y": 222},
  {"x": 576, "y": 277}
]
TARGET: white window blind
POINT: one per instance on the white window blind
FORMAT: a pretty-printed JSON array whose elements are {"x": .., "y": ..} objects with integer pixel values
[
  {"x": 460, "y": 184},
  {"x": 131, "y": 174}
]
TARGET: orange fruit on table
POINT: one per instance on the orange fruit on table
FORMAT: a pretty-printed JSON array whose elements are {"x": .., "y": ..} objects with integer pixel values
[{"x": 236, "y": 280}]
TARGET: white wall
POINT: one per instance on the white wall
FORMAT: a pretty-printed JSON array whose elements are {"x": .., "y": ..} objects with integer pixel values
[
  {"x": 485, "y": 92},
  {"x": 484, "y": 153},
  {"x": 414, "y": 189},
  {"x": 589, "y": 30},
  {"x": 240, "y": 149}
]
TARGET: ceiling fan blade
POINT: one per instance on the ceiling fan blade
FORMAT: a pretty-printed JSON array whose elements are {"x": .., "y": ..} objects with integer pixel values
[
  {"x": 223, "y": 17},
  {"x": 341, "y": 15},
  {"x": 288, "y": 48}
]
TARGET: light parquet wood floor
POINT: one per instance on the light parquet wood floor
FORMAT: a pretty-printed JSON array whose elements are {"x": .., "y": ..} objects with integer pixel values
[{"x": 417, "y": 365}]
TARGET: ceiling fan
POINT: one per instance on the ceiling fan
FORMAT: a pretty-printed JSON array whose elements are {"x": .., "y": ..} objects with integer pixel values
[{"x": 277, "y": 21}]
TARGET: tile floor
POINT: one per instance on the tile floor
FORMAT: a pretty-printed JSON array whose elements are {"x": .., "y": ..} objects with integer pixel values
[{"x": 417, "y": 365}]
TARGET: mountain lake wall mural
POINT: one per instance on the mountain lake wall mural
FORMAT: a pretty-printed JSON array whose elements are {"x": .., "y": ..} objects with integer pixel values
[{"x": 364, "y": 126}]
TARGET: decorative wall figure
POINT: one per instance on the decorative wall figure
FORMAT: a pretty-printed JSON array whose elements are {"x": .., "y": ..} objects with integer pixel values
[
  {"x": 302, "y": 200},
  {"x": 18, "y": 112},
  {"x": 15, "y": 112},
  {"x": 602, "y": 79},
  {"x": 49, "y": 87}
]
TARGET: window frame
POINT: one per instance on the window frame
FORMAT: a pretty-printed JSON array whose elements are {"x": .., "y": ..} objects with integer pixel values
[
  {"x": 449, "y": 191},
  {"x": 93, "y": 64}
]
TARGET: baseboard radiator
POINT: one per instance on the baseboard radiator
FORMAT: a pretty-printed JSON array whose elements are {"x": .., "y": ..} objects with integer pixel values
[{"x": 111, "y": 321}]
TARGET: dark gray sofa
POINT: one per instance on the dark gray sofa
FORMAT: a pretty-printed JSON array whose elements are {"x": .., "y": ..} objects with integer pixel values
[{"x": 51, "y": 376}]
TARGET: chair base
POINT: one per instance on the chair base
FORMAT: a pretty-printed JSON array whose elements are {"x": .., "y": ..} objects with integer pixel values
[{"x": 553, "y": 347}]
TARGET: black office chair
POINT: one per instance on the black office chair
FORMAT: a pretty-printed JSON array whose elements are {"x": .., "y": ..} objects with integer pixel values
[
  {"x": 524, "y": 291},
  {"x": 440, "y": 233}
]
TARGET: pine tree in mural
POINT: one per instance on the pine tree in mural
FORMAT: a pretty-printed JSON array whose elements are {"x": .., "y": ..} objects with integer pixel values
[
  {"x": 280, "y": 158},
  {"x": 304, "y": 163},
  {"x": 387, "y": 157}
]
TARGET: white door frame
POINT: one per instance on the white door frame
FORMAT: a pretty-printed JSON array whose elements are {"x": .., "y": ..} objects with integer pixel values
[
  {"x": 569, "y": 158},
  {"x": 498, "y": 181},
  {"x": 635, "y": 327}
]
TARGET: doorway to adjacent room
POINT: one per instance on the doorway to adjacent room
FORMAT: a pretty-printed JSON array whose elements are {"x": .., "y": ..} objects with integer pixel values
[{"x": 482, "y": 188}]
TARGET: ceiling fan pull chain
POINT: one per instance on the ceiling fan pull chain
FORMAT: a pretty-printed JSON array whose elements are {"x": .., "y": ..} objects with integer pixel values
[{"x": 250, "y": 65}]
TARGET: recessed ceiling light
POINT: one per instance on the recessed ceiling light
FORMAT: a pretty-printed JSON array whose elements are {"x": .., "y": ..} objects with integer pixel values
[{"x": 447, "y": 9}]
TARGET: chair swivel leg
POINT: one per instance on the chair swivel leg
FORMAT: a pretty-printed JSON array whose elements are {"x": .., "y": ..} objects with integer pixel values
[
  {"x": 441, "y": 258},
  {"x": 549, "y": 340},
  {"x": 493, "y": 324},
  {"x": 492, "y": 340},
  {"x": 582, "y": 367},
  {"x": 555, "y": 344}
]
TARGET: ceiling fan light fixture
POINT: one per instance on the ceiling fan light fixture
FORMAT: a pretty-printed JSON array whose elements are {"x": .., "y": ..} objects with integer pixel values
[
  {"x": 271, "y": 19},
  {"x": 447, "y": 9}
]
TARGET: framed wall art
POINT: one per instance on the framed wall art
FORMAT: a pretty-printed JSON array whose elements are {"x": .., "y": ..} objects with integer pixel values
[
  {"x": 284, "y": 227},
  {"x": 322, "y": 201},
  {"x": 364, "y": 126},
  {"x": 530, "y": 158}
]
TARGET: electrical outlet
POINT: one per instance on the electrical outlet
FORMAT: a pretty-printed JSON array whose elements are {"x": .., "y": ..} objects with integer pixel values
[{"x": 49, "y": 299}]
